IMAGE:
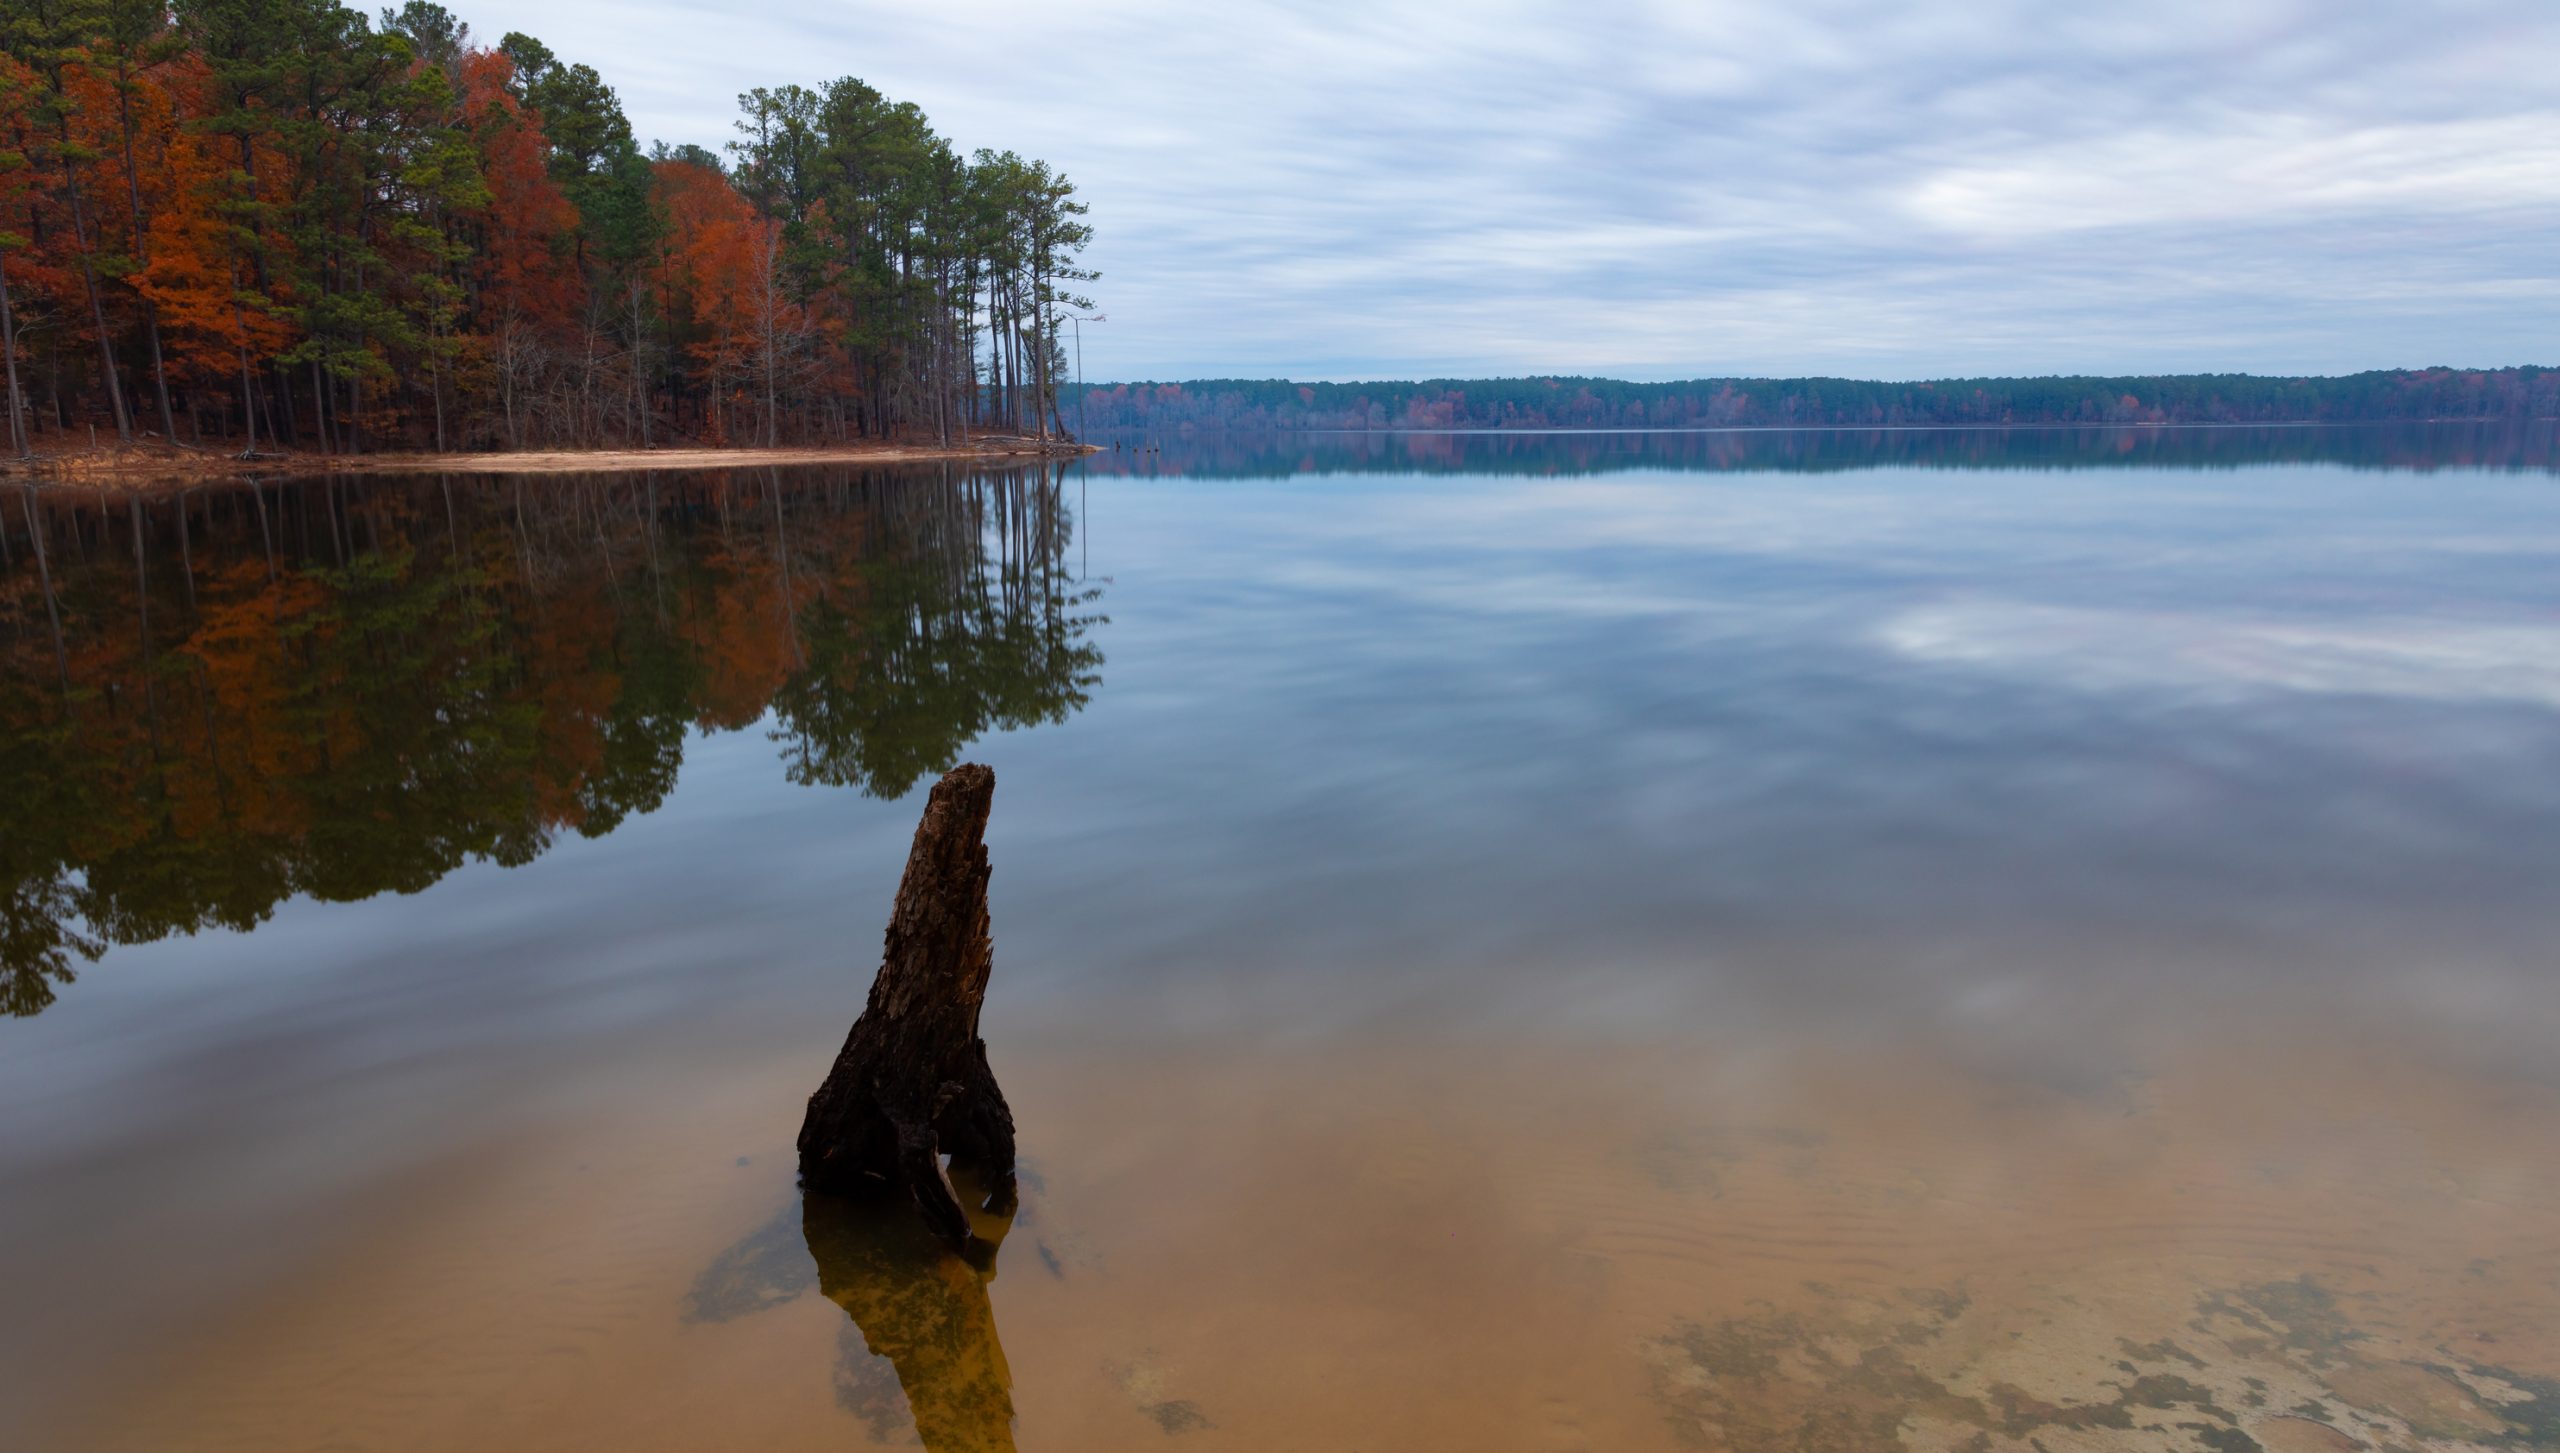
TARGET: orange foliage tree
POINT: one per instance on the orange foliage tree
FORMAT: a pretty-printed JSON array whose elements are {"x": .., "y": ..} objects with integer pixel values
[{"x": 285, "y": 222}]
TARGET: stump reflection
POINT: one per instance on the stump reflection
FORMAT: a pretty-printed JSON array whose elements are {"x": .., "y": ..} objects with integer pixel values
[{"x": 923, "y": 1308}]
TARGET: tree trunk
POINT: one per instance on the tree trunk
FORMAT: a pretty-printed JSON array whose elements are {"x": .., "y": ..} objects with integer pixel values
[
  {"x": 141, "y": 249},
  {"x": 97, "y": 306},
  {"x": 9, "y": 348},
  {"x": 912, "y": 1079},
  {"x": 639, "y": 361},
  {"x": 320, "y": 409}
]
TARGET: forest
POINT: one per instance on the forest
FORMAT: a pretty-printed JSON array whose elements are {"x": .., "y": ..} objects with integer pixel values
[
  {"x": 2392, "y": 395},
  {"x": 261, "y": 224},
  {"x": 214, "y": 701}
]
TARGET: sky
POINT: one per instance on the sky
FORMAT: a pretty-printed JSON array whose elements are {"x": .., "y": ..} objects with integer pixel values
[{"x": 1393, "y": 189}]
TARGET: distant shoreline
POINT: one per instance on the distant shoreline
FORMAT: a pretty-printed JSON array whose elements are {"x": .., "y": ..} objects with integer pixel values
[
  {"x": 1571, "y": 402},
  {"x": 156, "y": 467}
]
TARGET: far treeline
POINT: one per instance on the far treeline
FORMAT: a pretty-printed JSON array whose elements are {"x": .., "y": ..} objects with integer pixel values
[
  {"x": 1606, "y": 403},
  {"x": 274, "y": 222}
]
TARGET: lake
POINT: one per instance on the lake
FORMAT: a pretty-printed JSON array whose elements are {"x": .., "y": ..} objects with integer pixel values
[{"x": 1975, "y": 940}]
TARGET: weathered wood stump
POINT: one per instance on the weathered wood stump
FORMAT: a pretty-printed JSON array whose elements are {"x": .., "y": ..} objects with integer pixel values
[{"x": 912, "y": 1080}]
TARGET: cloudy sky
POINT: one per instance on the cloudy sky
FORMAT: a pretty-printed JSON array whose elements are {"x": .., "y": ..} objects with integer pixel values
[{"x": 1395, "y": 188}]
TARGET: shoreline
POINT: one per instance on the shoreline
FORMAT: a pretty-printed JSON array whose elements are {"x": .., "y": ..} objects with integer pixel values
[{"x": 149, "y": 466}]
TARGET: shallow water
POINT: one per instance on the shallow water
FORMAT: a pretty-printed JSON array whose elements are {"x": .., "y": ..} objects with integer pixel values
[{"x": 2035, "y": 940}]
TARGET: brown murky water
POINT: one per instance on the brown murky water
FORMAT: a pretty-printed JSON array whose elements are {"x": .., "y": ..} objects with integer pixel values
[{"x": 1940, "y": 959}]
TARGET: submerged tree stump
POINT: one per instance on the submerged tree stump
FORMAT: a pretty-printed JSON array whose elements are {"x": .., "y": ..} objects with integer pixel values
[{"x": 912, "y": 1080}]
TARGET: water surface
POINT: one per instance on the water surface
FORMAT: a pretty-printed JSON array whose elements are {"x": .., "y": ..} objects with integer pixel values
[{"x": 1973, "y": 940}]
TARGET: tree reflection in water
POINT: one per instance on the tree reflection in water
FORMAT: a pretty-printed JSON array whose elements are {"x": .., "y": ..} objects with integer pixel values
[
  {"x": 922, "y": 1309},
  {"x": 214, "y": 702},
  {"x": 921, "y": 1349}
]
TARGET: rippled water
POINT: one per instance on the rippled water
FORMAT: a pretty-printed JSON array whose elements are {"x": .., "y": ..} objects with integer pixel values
[{"x": 2029, "y": 940}]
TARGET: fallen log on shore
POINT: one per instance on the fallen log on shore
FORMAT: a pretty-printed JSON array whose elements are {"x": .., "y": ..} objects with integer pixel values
[{"x": 912, "y": 1081}]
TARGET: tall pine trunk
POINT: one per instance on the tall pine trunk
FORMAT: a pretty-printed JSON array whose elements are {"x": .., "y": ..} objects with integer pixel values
[
  {"x": 9, "y": 349},
  {"x": 97, "y": 305},
  {"x": 142, "y": 250}
]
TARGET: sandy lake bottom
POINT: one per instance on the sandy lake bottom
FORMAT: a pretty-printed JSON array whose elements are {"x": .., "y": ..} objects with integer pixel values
[{"x": 1475, "y": 1245}]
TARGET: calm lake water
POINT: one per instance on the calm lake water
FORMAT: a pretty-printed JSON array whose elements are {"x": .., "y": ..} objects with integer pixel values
[{"x": 2033, "y": 941}]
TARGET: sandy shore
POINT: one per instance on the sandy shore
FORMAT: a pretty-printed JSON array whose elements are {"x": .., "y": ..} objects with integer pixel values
[{"x": 146, "y": 467}]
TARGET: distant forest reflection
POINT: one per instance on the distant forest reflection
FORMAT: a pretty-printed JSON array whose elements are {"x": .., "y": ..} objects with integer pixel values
[
  {"x": 2529, "y": 445},
  {"x": 213, "y": 702}
]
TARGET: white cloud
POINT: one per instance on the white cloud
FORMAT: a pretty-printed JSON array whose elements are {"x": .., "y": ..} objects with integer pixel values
[
  {"x": 1681, "y": 188},
  {"x": 2484, "y": 170}
]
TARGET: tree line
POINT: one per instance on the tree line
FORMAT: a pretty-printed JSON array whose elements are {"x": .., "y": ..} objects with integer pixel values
[
  {"x": 276, "y": 223},
  {"x": 1603, "y": 403},
  {"x": 215, "y": 701}
]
